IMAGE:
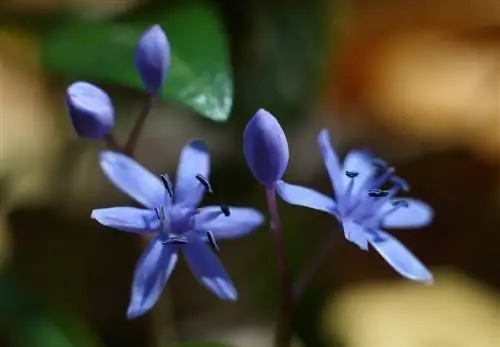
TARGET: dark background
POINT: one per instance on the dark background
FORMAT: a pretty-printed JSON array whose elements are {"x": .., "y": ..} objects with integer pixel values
[{"x": 418, "y": 82}]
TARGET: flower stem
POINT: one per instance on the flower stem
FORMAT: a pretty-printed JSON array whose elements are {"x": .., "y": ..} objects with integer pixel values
[
  {"x": 139, "y": 125},
  {"x": 283, "y": 334},
  {"x": 313, "y": 266},
  {"x": 111, "y": 143}
]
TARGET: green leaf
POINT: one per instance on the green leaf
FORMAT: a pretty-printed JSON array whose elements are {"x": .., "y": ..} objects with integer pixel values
[
  {"x": 200, "y": 74},
  {"x": 30, "y": 324}
]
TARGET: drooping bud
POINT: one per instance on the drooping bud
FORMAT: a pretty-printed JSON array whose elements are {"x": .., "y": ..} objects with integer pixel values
[
  {"x": 266, "y": 148},
  {"x": 152, "y": 58},
  {"x": 90, "y": 109}
]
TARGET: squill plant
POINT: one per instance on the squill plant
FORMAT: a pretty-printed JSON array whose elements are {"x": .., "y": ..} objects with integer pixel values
[{"x": 365, "y": 200}]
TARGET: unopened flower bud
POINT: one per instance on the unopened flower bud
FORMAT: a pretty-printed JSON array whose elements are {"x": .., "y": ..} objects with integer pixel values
[
  {"x": 90, "y": 109},
  {"x": 152, "y": 58},
  {"x": 266, "y": 148}
]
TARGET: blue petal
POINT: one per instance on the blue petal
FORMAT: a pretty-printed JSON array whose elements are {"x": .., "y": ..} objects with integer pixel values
[
  {"x": 362, "y": 163},
  {"x": 399, "y": 257},
  {"x": 331, "y": 161},
  {"x": 307, "y": 197},
  {"x": 134, "y": 179},
  {"x": 265, "y": 147},
  {"x": 418, "y": 214},
  {"x": 356, "y": 234},
  {"x": 129, "y": 219},
  {"x": 90, "y": 109},
  {"x": 240, "y": 222},
  {"x": 194, "y": 159},
  {"x": 151, "y": 274},
  {"x": 152, "y": 58},
  {"x": 208, "y": 269}
]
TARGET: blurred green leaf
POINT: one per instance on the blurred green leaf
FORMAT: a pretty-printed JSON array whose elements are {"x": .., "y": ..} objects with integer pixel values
[
  {"x": 31, "y": 325},
  {"x": 200, "y": 75}
]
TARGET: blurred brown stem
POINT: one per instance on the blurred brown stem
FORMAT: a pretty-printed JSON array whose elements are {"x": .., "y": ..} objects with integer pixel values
[
  {"x": 283, "y": 336},
  {"x": 313, "y": 266},
  {"x": 139, "y": 125},
  {"x": 111, "y": 143}
]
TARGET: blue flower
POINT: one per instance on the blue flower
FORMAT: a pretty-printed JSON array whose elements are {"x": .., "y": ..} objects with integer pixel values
[
  {"x": 152, "y": 58},
  {"x": 363, "y": 208},
  {"x": 172, "y": 213},
  {"x": 266, "y": 148},
  {"x": 90, "y": 109}
]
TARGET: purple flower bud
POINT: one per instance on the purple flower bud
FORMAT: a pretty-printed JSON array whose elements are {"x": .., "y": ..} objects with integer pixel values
[
  {"x": 152, "y": 58},
  {"x": 90, "y": 109},
  {"x": 266, "y": 148}
]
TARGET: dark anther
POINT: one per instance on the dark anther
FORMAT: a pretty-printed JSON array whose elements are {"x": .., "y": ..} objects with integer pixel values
[
  {"x": 213, "y": 243},
  {"x": 379, "y": 163},
  {"x": 351, "y": 174},
  {"x": 160, "y": 214},
  {"x": 225, "y": 209},
  {"x": 402, "y": 203},
  {"x": 377, "y": 193},
  {"x": 176, "y": 240},
  {"x": 205, "y": 183},
  {"x": 401, "y": 183},
  {"x": 168, "y": 184}
]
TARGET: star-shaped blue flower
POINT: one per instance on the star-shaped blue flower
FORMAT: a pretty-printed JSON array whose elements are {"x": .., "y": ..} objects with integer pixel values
[
  {"x": 363, "y": 208},
  {"x": 180, "y": 226}
]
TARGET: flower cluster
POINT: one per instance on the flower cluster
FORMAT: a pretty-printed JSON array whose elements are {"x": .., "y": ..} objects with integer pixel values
[
  {"x": 172, "y": 214},
  {"x": 90, "y": 108},
  {"x": 360, "y": 204},
  {"x": 363, "y": 208},
  {"x": 364, "y": 202}
]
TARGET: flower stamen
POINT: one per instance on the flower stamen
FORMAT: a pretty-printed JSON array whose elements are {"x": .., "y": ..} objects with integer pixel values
[
  {"x": 160, "y": 213},
  {"x": 377, "y": 193},
  {"x": 204, "y": 181},
  {"x": 380, "y": 164},
  {"x": 351, "y": 174},
  {"x": 383, "y": 177},
  {"x": 397, "y": 204},
  {"x": 225, "y": 210},
  {"x": 168, "y": 184},
  {"x": 212, "y": 241},
  {"x": 400, "y": 183},
  {"x": 175, "y": 240}
]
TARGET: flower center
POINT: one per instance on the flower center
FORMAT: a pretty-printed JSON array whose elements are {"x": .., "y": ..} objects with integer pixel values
[
  {"x": 179, "y": 219},
  {"x": 363, "y": 203}
]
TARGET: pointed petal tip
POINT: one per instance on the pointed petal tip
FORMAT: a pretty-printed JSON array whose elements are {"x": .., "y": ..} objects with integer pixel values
[
  {"x": 324, "y": 135},
  {"x": 156, "y": 28},
  {"x": 428, "y": 279},
  {"x": 233, "y": 298},
  {"x": 199, "y": 145},
  {"x": 152, "y": 58},
  {"x": 133, "y": 313},
  {"x": 263, "y": 115},
  {"x": 261, "y": 112}
]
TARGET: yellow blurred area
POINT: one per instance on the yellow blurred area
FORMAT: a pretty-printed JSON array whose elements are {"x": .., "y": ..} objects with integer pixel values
[
  {"x": 28, "y": 116},
  {"x": 455, "y": 311},
  {"x": 426, "y": 69}
]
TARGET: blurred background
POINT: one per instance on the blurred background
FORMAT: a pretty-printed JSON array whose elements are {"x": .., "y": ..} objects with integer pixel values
[{"x": 417, "y": 81}]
